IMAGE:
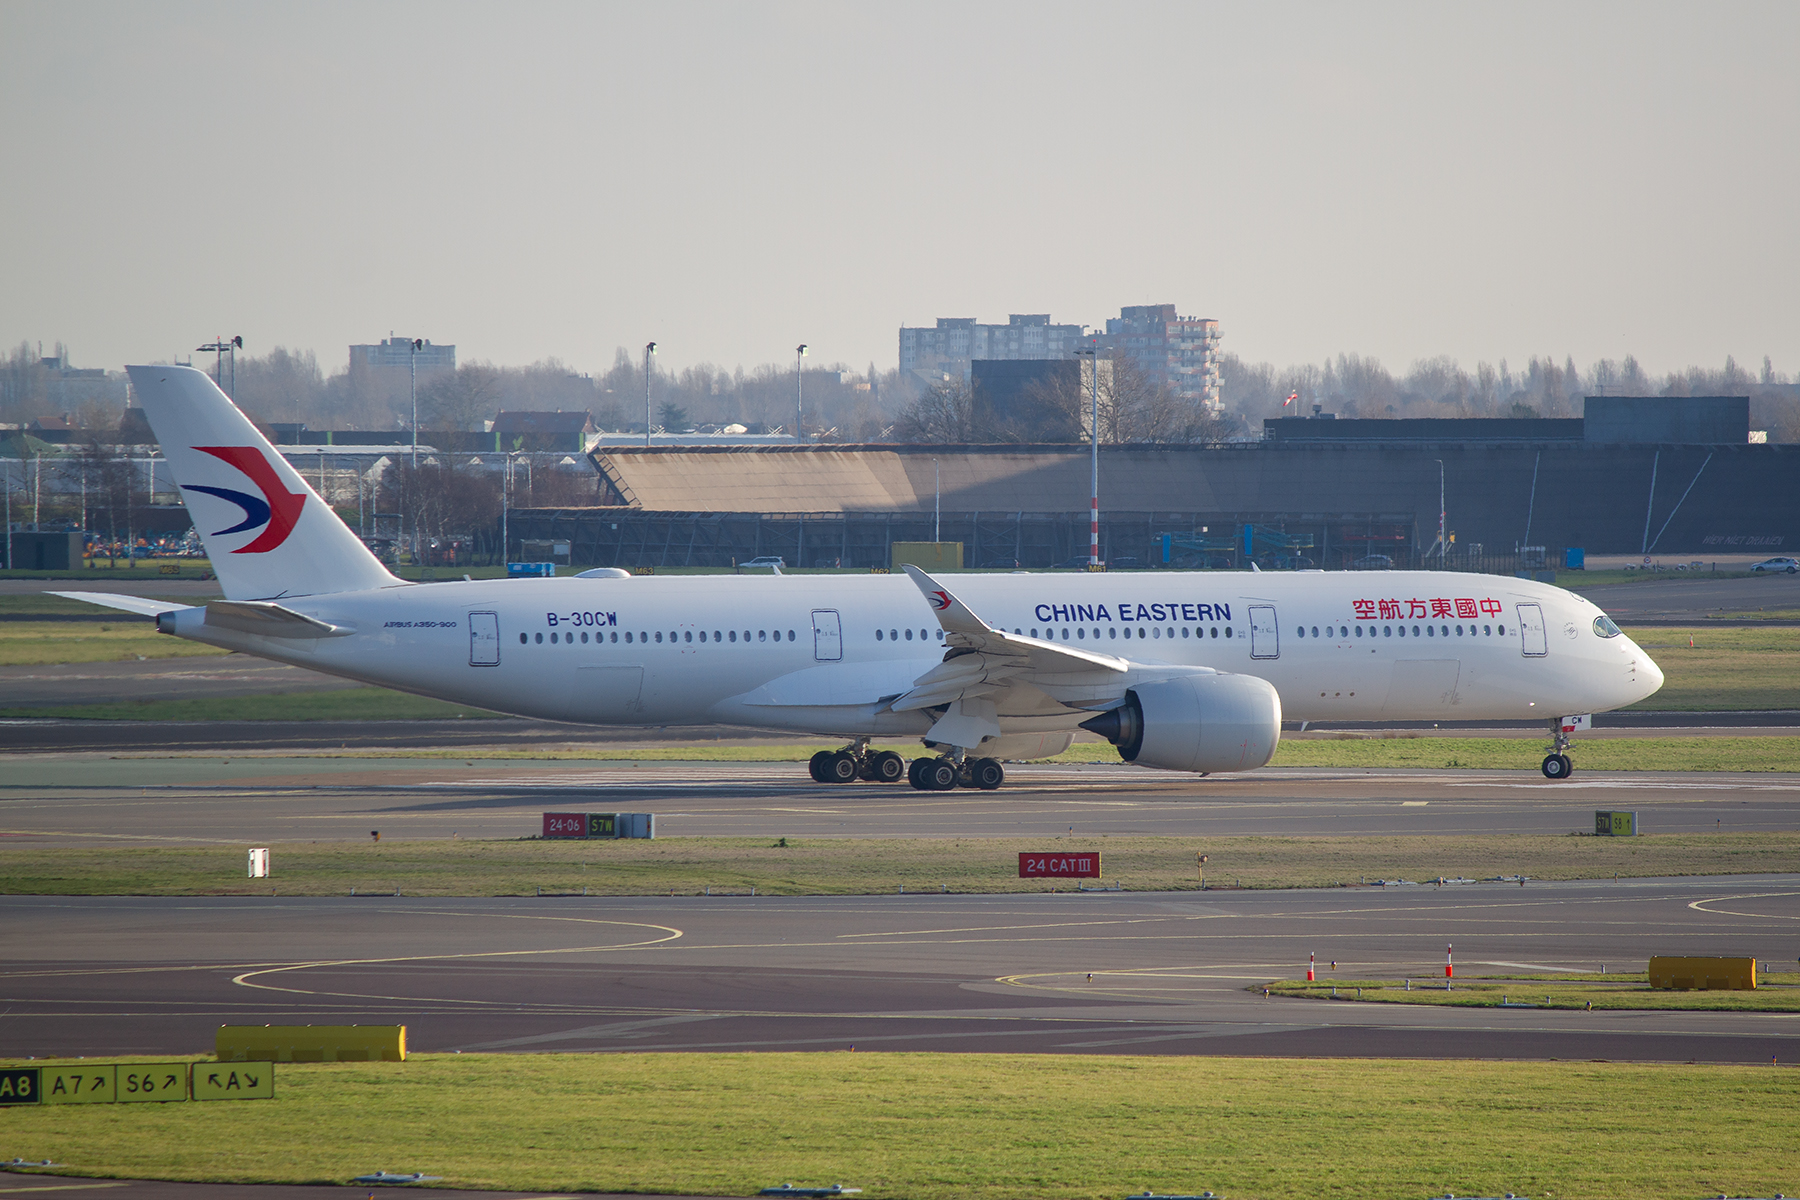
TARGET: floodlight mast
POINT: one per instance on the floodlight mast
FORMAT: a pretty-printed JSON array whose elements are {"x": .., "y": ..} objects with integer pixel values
[
  {"x": 412, "y": 375},
  {"x": 799, "y": 387},
  {"x": 1094, "y": 468},
  {"x": 649, "y": 349}
]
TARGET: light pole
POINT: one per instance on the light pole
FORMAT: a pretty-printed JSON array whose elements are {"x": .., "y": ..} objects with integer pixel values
[
  {"x": 1442, "y": 548},
  {"x": 219, "y": 348},
  {"x": 1094, "y": 468},
  {"x": 799, "y": 375},
  {"x": 649, "y": 349},
  {"x": 412, "y": 377}
]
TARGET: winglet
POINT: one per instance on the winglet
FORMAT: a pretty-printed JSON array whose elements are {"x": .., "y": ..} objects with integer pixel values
[{"x": 952, "y": 614}]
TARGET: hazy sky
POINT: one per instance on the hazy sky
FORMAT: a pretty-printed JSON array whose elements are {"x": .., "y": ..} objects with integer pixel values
[{"x": 528, "y": 180}]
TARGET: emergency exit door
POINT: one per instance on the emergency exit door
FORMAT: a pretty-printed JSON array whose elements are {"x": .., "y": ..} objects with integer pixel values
[
  {"x": 828, "y": 635},
  {"x": 484, "y": 639},
  {"x": 1532, "y": 638}
]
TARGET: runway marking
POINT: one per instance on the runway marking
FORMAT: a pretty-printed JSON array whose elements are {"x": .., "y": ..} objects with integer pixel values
[
  {"x": 1044, "y": 925},
  {"x": 1700, "y": 906},
  {"x": 243, "y": 980},
  {"x": 67, "y": 1187},
  {"x": 1414, "y": 803}
]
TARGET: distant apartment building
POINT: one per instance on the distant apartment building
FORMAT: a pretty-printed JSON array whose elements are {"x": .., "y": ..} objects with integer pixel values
[
  {"x": 1179, "y": 352},
  {"x": 956, "y": 342},
  {"x": 1182, "y": 353},
  {"x": 384, "y": 371}
]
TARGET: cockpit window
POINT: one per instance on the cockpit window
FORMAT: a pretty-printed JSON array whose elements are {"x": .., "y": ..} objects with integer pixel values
[{"x": 1604, "y": 627}]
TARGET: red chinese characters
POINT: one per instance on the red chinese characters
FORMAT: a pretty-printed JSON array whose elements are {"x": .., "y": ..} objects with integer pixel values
[{"x": 1437, "y": 608}]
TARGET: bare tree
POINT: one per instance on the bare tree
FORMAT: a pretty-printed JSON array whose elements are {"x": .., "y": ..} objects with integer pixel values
[
  {"x": 462, "y": 399},
  {"x": 945, "y": 414}
]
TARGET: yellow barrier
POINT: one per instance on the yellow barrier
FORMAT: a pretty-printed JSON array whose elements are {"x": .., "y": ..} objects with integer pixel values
[
  {"x": 311, "y": 1043},
  {"x": 1703, "y": 974}
]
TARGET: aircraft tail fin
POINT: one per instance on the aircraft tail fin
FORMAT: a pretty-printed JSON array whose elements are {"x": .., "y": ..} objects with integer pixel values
[{"x": 267, "y": 533}]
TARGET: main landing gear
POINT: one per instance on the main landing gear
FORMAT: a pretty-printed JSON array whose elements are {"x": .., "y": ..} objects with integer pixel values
[
  {"x": 1556, "y": 763},
  {"x": 857, "y": 761},
  {"x": 943, "y": 774}
]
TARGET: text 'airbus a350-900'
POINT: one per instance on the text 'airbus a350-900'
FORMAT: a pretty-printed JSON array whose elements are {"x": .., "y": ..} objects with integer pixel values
[{"x": 1186, "y": 671}]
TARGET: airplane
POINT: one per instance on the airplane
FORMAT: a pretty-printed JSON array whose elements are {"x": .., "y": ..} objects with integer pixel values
[{"x": 1183, "y": 671}]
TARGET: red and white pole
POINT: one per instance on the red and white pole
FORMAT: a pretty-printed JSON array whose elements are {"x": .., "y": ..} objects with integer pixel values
[
  {"x": 1310, "y": 957},
  {"x": 1449, "y": 966}
]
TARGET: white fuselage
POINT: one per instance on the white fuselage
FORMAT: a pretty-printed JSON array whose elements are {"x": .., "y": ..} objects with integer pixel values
[{"x": 824, "y": 653}]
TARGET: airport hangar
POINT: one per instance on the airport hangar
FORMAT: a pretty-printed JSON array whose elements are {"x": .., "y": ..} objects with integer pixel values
[{"x": 1673, "y": 478}]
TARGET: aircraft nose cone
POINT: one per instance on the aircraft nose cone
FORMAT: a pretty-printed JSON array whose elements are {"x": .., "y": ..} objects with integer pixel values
[{"x": 1649, "y": 675}]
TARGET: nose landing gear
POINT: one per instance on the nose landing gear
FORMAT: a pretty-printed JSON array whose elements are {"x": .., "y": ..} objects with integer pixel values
[{"x": 1557, "y": 764}]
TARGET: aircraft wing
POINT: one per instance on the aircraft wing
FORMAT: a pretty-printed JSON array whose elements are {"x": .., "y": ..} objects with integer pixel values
[{"x": 984, "y": 661}]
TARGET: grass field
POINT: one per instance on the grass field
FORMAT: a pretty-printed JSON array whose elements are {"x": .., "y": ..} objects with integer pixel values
[
  {"x": 860, "y": 866},
  {"x": 40, "y": 643},
  {"x": 992, "y": 1127},
  {"x": 1778, "y": 992},
  {"x": 1725, "y": 669}
]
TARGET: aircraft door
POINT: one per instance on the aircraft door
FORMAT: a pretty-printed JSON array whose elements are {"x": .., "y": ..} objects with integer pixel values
[
  {"x": 484, "y": 639},
  {"x": 828, "y": 635},
  {"x": 1265, "y": 634},
  {"x": 1532, "y": 639}
]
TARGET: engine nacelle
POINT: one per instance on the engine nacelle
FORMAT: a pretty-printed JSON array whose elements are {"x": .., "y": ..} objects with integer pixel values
[{"x": 1196, "y": 723}]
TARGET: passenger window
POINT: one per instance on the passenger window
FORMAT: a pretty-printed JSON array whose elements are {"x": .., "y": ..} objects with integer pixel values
[
  {"x": 523, "y": 639},
  {"x": 1500, "y": 629},
  {"x": 909, "y": 635},
  {"x": 1488, "y": 630},
  {"x": 1429, "y": 631},
  {"x": 1034, "y": 633},
  {"x": 1359, "y": 631},
  {"x": 1185, "y": 631},
  {"x": 1301, "y": 631},
  {"x": 790, "y": 635},
  {"x": 540, "y": 639},
  {"x": 879, "y": 635},
  {"x": 1387, "y": 631},
  {"x": 1065, "y": 635},
  {"x": 1228, "y": 631},
  {"x": 659, "y": 637},
  {"x": 762, "y": 635},
  {"x": 690, "y": 636},
  {"x": 1215, "y": 631},
  {"x": 584, "y": 639},
  {"x": 628, "y": 637},
  {"x": 734, "y": 635},
  {"x": 615, "y": 637},
  {"x": 1080, "y": 633}
]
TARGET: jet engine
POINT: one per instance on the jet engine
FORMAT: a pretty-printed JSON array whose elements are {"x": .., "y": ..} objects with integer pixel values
[{"x": 1195, "y": 723}]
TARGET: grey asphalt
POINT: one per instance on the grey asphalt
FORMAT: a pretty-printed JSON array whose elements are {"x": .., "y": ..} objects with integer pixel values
[
  {"x": 1679, "y": 597},
  {"x": 261, "y": 800},
  {"x": 1112, "y": 973}
]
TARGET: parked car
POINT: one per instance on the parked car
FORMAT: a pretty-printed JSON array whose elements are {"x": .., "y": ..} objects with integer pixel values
[
  {"x": 1078, "y": 563},
  {"x": 1373, "y": 562},
  {"x": 770, "y": 561},
  {"x": 1293, "y": 562},
  {"x": 1125, "y": 562},
  {"x": 1769, "y": 566}
]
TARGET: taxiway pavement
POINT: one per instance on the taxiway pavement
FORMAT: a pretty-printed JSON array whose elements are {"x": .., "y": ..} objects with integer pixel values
[
  {"x": 1108, "y": 973},
  {"x": 257, "y": 800}
]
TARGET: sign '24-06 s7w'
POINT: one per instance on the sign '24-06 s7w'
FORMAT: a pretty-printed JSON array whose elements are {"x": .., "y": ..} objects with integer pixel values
[{"x": 1182, "y": 671}]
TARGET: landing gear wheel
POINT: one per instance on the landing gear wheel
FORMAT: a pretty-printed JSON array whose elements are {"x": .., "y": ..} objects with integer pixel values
[
  {"x": 938, "y": 774},
  {"x": 1557, "y": 766},
  {"x": 817, "y": 766},
  {"x": 986, "y": 774},
  {"x": 840, "y": 767},
  {"x": 886, "y": 767},
  {"x": 912, "y": 772}
]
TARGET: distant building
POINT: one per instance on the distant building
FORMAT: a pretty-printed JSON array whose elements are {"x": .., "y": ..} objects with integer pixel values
[
  {"x": 385, "y": 370},
  {"x": 955, "y": 342},
  {"x": 557, "y": 430},
  {"x": 1180, "y": 353}
]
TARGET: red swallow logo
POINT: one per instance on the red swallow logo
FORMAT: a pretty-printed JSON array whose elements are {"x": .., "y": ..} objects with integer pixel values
[
  {"x": 278, "y": 509},
  {"x": 939, "y": 600}
]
